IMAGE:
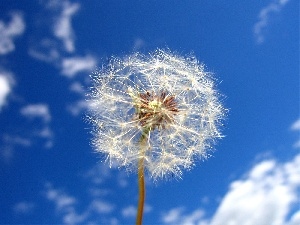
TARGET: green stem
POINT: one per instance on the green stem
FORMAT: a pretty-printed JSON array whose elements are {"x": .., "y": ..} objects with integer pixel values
[{"x": 141, "y": 177}]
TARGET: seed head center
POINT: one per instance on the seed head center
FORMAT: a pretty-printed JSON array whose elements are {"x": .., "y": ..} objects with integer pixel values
[
  {"x": 155, "y": 105},
  {"x": 155, "y": 110}
]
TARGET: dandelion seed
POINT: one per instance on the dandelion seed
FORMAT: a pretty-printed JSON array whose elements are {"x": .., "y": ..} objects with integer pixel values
[
  {"x": 159, "y": 112},
  {"x": 170, "y": 96}
]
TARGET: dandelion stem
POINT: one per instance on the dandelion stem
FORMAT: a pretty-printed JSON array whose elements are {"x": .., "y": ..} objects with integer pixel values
[
  {"x": 140, "y": 210},
  {"x": 141, "y": 177}
]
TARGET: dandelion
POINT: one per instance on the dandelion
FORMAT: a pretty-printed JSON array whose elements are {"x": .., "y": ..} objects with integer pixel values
[{"x": 157, "y": 113}]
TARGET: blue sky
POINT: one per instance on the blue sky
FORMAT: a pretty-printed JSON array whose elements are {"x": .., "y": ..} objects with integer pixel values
[{"x": 49, "y": 173}]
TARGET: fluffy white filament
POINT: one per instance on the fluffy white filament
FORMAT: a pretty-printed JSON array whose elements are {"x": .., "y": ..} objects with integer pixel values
[{"x": 114, "y": 103}]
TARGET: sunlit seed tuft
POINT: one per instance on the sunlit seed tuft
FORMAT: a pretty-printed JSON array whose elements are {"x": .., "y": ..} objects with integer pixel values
[{"x": 169, "y": 96}]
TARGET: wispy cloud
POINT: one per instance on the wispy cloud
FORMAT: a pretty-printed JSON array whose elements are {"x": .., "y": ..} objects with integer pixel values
[
  {"x": 36, "y": 128},
  {"x": 77, "y": 87},
  {"x": 23, "y": 207},
  {"x": 43, "y": 130},
  {"x": 6, "y": 84},
  {"x": 58, "y": 49},
  {"x": 98, "y": 174},
  {"x": 46, "y": 51},
  {"x": 66, "y": 206},
  {"x": 138, "y": 44},
  {"x": 130, "y": 211},
  {"x": 101, "y": 206},
  {"x": 101, "y": 173},
  {"x": 296, "y": 127},
  {"x": 9, "y": 31},
  {"x": 297, "y": 144},
  {"x": 37, "y": 111},
  {"x": 60, "y": 40},
  {"x": 62, "y": 27},
  {"x": 178, "y": 216},
  {"x": 17, "y": 140},
  {"x": 78, "y": 107},
  {"x": 62, "y": 200},
  {"x": 264, "y": 18},
  {"x": 72, "y": 66},
  {"x": 54, "y": 50},
  {"x": 8, "y": 143}
]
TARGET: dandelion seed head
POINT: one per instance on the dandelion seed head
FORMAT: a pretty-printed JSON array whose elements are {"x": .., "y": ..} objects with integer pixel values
[{"x": 170, "y": 96}]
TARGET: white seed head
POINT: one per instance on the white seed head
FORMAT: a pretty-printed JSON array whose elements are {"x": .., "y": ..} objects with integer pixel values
[{"x": 170, "y": 96}]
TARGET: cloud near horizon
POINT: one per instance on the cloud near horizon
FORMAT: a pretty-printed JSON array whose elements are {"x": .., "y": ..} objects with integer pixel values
[{"x": 268, "y": 194}]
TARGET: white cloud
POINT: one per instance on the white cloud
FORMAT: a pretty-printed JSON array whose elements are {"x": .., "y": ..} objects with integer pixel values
[
  {"x": 40, "y": 111},
  {"x": 98, "y": 174},
  {"x": 76, "y": 108},
  {"x": 296, "y": 127},
  {"x": 173, "y": 215},
  {"x": 73, "y": 218},
  {"x": 6, "y": 153},
  {"x": 66, "y": 207},
  {"x": 77, "y": 88},
  {"x": 64, "y": 204},
  {"x": 102, "y": 207},
  {"x": 37, "y": 111},
  {"x": 297, "y": 144},
  {"x": 101, "y": 173},
  {"x": 38, "y": 129},
  {"x": 295, "y": 220},
  {"x": 45, "y": 51},
  {"x": 8, "y": 32},
  {"x": 72, "y": 66},
  {"x": 9, "y": 142},
  {"x": 138, "y": 44},
  {"x": 129, "y": 211},
  {"x": 52, "y": 50},
  {"x": 176, "y": 216},
  {"x": 47, "y": 134},
  {"x": 264, "y": 18},
  {"x": 98, "y": 192},
  {"x": 62, "y": 200},
  {"x": 122, "y": 180},
  {"x": 268, "y": 194},
  {"x": 6, "y": 83},
  {"x": 17, "y": 140},
  {"x": 24, "y": 207},
  {"x": 262, "y": 169},
  {"x": 264, "y": 197},
  {"x": 62, "y": 26}
]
